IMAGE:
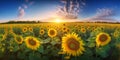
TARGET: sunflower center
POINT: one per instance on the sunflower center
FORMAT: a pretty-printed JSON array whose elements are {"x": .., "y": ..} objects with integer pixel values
[
  {"x": 103, "y": 38},
  {"x": 32, "y": 42},
  {"x": 19, "y": 40},
  {"x": 64, "y": 28},
  {"x": 24, "y": 29},
  {"x": 73, "y": 44},
  {"x": 52, "y": 32},
  {"x": 41, "y": 31}
]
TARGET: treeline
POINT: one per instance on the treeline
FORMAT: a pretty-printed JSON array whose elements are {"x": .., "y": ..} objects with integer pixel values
[{"x": 11, "y": 22}]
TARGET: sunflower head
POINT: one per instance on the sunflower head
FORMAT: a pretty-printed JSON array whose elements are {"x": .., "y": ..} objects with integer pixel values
[
  {"x": 2, "y": 37},
  {"x": 102, "y": 39},
  {"x": 24, "y": 29},
  {"x": 42, "y": 32},
  {"x": 30, "y": 29},
  {"x": 32, "y": 43},
  {"x": 116, "y": 34},
  {"x": 64, "y": 24},
  {"x": 83, "y": 30},
  {"x": 72, "y": 44},
  {"x": 19, "y": 39},
  {"x": 65, "y": 30},
  {"x": 52, "y": 32}
]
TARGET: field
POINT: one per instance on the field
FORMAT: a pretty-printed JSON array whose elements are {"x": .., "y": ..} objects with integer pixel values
[{"x": 60, "y": 41}]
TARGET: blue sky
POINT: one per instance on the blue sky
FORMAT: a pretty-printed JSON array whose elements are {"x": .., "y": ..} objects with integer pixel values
[{"x": 41, "y": 9}]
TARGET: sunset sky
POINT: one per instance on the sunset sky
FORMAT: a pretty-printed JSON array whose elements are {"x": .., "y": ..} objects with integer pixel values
[{"x": 45, "y": 9}]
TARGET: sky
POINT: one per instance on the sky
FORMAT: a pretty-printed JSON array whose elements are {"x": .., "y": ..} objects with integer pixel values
[{"x": 89, "y": 10}]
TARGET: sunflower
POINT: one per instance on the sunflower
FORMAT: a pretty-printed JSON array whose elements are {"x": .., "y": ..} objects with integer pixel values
[
  {"x": 83, "y": 30},
  {"x": 64, "y": 24},
  {"x": 42, "y": 32},
  {"x": 65, "y": 30},
  {"x": 52, "y": 32},
  {"x": 102, "y": 39},
  {"x": 30, "y": 29},
  {"x": 72, "y": 44},
  {"x": 19, "y": 39},
  {"x": 116, "y": 34},
  {"x": 2, "y": 37},
  {"x": 24, "y": 29},
  {"x": 32, "y": 43}
]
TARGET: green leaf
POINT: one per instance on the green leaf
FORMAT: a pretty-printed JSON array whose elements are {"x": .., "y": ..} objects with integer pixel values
[
  {"x": 34, "y": 56},
  {"x": 21, "y": 55},
  {"x": 46, "y": 40},
  {"x": 41, "y": 49},
  {"x": 53, "y": 42},
  {"x": 88, "y": 52},
  {"x": 103, "y": 51},
  {"x": 91, "y": 45},
  {"x": 27, "y": 50},
  {"x": 16, "y": 48},
  {"x": 44, "y": 58}
]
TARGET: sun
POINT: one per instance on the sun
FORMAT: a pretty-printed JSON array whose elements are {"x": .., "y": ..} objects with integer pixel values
[{"x": 58, "y": 20}]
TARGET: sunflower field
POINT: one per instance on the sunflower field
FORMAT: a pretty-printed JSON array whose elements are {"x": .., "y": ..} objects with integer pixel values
[{"x": 60, "y": 41}]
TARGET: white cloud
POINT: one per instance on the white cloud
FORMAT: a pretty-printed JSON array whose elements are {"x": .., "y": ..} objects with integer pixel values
[
  {"x": 70, "y": 9},
  {"x": 103, "y": 14},
  {"x": 21, "y": 9},
  {"x": 21, "y": 12}
]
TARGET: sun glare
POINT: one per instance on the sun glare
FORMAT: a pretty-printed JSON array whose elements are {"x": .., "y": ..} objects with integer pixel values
[{"x": 58, "y": 21}]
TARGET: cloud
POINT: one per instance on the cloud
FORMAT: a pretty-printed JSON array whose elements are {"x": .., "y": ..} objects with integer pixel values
[
  {"x": 70, "y": 8},
  {"x": 21, "y": 12},
  {"x": 103, "y": 14},
  {"x": 31, "y": 3},
  {"x": 25, "y": 6},
  {"x": 21, "y": 8}
]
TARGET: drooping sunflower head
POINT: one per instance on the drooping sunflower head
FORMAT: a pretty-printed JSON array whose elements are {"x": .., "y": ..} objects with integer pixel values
[
  {"x": 72, "y": 44},
  {"x": 102, "y": 39},
  {"x": 52, "y": 32},
  {"x": 32, "y": 43},
  {"x": 19, "y": 39},
  {"x": 42, "y": 32}
]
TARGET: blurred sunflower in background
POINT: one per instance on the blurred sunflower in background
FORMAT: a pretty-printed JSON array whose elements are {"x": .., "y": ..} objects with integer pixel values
[
  {"x": 72, "y": 44},
  {"x": 19, "y": 39},
  {"x": 30, "y": 29},
  {"x": 52, "y": 32},
  {"x": 42, "y": 32},
  {"x": 83, "y": 30},
  {"x": 116, "y": 34},
  {"x": 2, "y": 37},
  {"x": 65, "y": 30},
  {"x": 24, "y": 29},
  {"x": 32, "y": 43},
  {"x": 102, "y": 39}
]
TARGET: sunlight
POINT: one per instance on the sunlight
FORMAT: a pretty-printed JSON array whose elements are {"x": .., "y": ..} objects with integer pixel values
[{"x": 58, "y": 21}]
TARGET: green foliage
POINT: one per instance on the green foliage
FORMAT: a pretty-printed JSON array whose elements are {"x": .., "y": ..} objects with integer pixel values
[{"x": 17, "y": 30}]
